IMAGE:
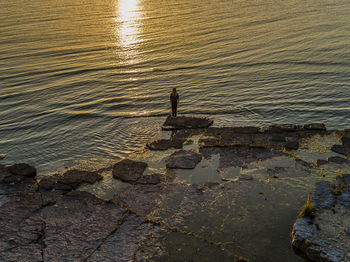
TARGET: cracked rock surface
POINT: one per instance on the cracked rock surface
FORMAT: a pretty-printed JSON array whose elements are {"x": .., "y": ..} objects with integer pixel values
[
  {"x": 326, "y": 235},
  {"x": 240, "y": 198}
]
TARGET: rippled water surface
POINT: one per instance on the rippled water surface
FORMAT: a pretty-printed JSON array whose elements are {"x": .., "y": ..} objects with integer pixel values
[{"x": 83, "y": 78}]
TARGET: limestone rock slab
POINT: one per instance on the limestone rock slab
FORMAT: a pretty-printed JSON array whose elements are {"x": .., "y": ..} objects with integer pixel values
[{"x": 183, "y": 159}]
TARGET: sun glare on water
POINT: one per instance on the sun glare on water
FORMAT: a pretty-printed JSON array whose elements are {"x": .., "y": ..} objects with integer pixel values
[{"x": 128, "y": 24}]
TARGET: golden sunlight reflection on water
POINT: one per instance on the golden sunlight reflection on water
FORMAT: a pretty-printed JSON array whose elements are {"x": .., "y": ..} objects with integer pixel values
[{"x": 128, "y": 28}]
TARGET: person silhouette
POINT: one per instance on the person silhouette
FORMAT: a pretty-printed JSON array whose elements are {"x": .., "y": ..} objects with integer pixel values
[{"x": 174, "y": 99}]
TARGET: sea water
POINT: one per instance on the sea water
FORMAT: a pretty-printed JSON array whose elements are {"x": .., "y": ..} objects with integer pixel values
[{"x": 84, "y": 79}]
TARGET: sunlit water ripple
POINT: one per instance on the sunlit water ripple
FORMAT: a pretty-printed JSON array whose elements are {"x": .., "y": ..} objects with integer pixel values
[{"x": 81, "y": 79}]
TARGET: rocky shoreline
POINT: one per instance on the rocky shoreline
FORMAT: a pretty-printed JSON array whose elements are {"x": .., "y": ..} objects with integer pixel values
[{"x": 198, "y": 193}]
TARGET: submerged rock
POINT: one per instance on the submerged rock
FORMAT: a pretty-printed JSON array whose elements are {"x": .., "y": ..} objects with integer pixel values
[
  {"x": 182, "y": 122},
  {"x": 183, "y": 159},
  {"x": 151, "y": 179},
  {"x": 164, "y": 144},
  {"x": 129, "y": 170}
]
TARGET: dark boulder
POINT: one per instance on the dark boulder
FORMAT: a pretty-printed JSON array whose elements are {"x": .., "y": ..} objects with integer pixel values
[
  {"x": 129, "y": 170},
  {"x": 183, "y": 159}
]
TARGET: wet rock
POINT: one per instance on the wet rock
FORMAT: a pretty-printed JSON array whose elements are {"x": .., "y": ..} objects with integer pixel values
[
  {"x": 324, "y": 237},
  {"x": 323, "y": 197},
  {"x": 238, "y": 156},
  {"x": 21, "y": 226},
  {"x": 17, "y": 173},
  {"x": 75, "y": 177},
  {"x": 129, "y": 170},
  {"x": 183, "y": 159},
  {"x": 292, "y": 145},
  {"x": 125, "y": 242},
  {"x": 142, "y": 199},
  {"x": 70, "y": 180},
  {"x": 340, "y": 149},
  {"x": 279, "y": 128},
  {"x": 2, "y": 156},
  {"x": 4, "y": 173},
  {"x": 303, "y": 231},
  {"x": 164, "y": 144},
  {"x": 181, "y": 122},
  {"x": 315, "y": 127},
  {"x": 22, "y": 169},
  {"x": 338, "y": 160},
  {"x": 77, "y": 225},
  {"x": 152, "y": 179},
  {"x": 346, "y": 140},
  {"x": 245, "y": 177},
  {"x": 208, "y": 142},
  {"x": 321, "y": 162}
]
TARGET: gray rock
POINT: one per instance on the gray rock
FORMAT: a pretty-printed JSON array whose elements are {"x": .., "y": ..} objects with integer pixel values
[
  {"x": 125, "y": 242},
  {"x": 323, "y": 197},
  {"x": 324, "y": 237},
  {"x": 302, "y": 233},
  {"x": 77, "y": 225},
  {"x": 129, "y": 170},
  {"x": 181, "y": 122},
  {"x": 183, "y": 159},
  {"x": 21, "y": 226}
]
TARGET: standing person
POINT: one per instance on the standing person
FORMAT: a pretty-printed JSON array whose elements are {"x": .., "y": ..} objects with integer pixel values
[{"x": 174, "y": 99}]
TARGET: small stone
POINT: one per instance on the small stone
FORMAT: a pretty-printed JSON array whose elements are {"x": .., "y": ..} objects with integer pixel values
[
  {"x": 183, "y": 159},
  {"x": 162, "y": 144},
  {"x": 129, "y": 170},
  {"x": 2, "y": 156}
]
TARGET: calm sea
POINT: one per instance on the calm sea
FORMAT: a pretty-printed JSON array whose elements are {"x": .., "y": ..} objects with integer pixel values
[{"x": 85, "y": 79}]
